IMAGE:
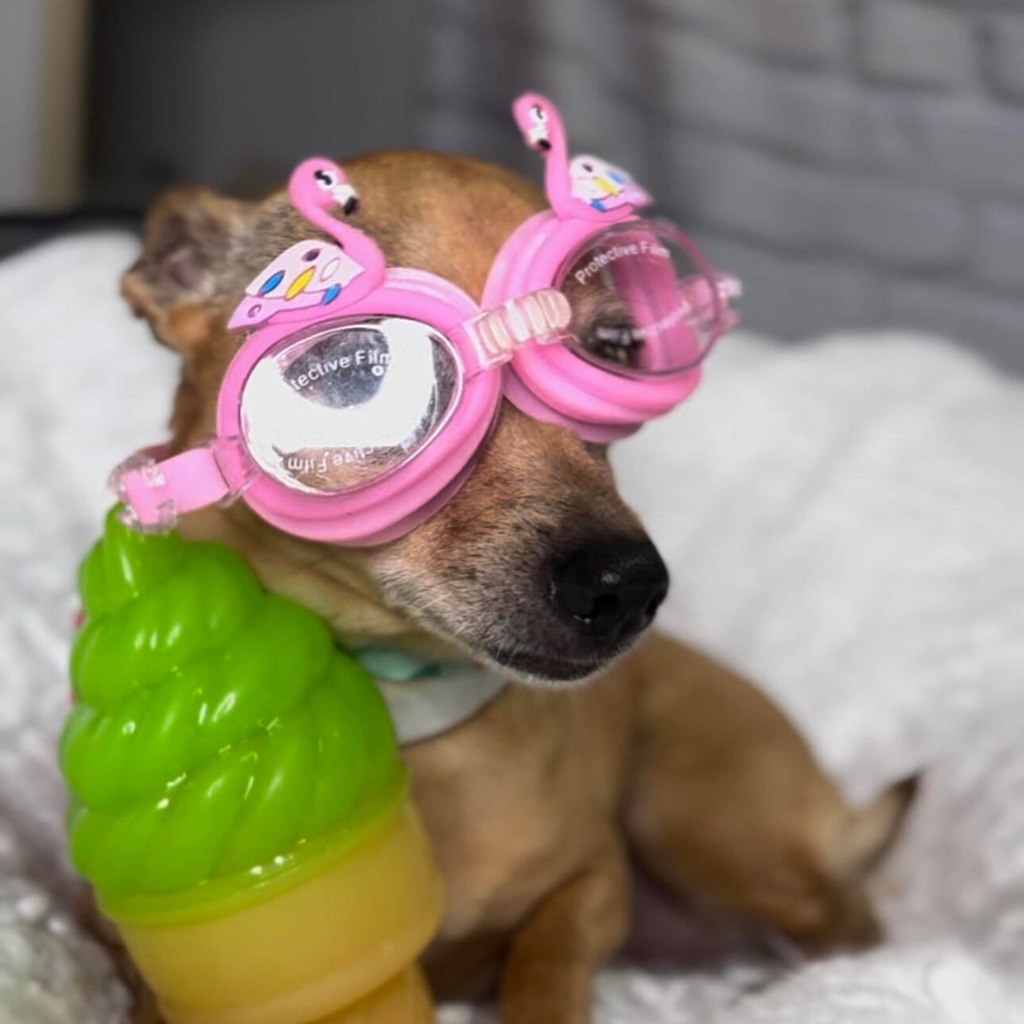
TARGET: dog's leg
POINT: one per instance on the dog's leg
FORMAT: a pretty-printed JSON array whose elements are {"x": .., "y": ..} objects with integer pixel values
[
  {"x": 727, "y": 804},
  {"x": 565, "y": 940}
]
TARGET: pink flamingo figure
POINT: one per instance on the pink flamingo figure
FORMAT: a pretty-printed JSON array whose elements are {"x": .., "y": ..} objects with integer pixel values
[
  {"x": 313, "y": 276},
  {"x": 585, "y": 186}
]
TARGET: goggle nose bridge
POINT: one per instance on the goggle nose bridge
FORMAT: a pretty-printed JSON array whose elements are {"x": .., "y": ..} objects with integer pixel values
[{"x": 541, "y": 317}]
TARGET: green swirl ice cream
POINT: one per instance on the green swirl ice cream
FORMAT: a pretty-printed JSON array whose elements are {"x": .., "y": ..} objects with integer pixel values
[
  {"x": 237, "y": 798},
  {"x": 218, "y": 732}
]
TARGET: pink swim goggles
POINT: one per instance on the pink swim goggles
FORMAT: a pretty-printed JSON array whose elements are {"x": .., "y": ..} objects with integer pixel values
[{"x": 355, "y": 407}]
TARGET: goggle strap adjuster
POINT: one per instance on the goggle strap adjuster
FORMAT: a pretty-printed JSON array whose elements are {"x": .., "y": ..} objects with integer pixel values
[
  {"x": 539, "y": 317},
  {"x": 156, "y": 494}
]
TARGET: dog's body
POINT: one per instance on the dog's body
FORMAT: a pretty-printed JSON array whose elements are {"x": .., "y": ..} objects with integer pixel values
[{"x": 537, "y": 804}]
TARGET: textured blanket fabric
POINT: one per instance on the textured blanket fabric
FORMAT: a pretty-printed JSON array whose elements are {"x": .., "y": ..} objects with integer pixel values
[{"x": 843, "y": 522}]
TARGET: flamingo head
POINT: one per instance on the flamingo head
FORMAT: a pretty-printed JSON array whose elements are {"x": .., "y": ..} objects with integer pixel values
[
  {"x": 320, "y": 183},
  {"x": 538, "y": 120}
]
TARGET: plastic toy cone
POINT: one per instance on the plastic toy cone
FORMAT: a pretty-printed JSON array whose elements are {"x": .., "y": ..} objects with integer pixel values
[{"x": 237, "y": 797}]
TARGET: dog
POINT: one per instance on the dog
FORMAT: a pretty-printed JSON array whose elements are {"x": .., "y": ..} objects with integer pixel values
[{"x": 543, "y": 805}]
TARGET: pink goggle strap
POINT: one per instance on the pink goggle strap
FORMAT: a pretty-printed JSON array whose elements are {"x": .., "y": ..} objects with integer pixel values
[{"x": 156, "y": 494}]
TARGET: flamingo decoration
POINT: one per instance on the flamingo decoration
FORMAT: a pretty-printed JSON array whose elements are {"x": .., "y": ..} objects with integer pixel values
[
  {"x": 586, "y": 186},
  {"x": 313, "y": 275}
]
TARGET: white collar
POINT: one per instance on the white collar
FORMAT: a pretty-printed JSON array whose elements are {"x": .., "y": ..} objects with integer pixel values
[{"x": 427, "y": 698}]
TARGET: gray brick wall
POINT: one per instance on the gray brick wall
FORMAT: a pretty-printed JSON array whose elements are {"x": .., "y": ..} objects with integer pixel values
[{"x": 859, "y": 162}]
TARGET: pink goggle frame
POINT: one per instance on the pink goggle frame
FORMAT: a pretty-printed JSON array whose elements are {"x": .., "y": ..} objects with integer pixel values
[{"x": 354, "y": 409}]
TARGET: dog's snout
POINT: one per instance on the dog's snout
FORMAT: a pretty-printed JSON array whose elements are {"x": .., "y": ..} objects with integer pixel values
[{"x": 610, "y": 590}]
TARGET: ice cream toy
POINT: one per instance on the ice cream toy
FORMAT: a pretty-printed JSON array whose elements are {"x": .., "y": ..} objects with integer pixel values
[{"x": 237, "y": 798}]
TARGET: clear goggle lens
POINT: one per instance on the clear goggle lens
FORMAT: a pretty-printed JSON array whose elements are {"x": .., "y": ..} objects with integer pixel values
[
  {"x": 345, "y": 404},
  {"x": 643, "y": 300}
]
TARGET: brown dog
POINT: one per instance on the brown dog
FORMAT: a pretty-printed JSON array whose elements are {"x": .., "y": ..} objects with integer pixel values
[{"x": 536, "y": 805}]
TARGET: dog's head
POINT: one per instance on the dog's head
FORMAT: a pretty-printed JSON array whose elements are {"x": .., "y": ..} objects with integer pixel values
[{"x": 536, "y": 565}]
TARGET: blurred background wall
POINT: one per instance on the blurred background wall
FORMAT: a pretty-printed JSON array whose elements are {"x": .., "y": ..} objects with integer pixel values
[
  {"x": 43, "y": 46},
  {"x": 859, "y": 162},
  {"x": 235, "y": 92}
]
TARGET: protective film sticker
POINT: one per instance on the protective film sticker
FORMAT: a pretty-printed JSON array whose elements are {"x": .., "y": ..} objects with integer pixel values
[{"x": 348, "y": 404}]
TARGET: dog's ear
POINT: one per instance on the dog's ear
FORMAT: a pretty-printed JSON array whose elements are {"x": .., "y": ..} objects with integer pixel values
[
  {"x": 189, "y": 240},
  {"x": 871, "y": 830}
]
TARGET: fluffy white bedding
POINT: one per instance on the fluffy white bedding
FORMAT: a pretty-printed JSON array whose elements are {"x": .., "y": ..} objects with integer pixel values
[{"x": 844, "y": 521}]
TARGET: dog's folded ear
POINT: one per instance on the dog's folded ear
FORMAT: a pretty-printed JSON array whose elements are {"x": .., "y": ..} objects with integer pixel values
[{"x": 185, "y": 270}]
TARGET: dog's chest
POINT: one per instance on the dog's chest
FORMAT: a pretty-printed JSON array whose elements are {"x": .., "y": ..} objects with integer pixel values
[{"x": 519, "y": 799}]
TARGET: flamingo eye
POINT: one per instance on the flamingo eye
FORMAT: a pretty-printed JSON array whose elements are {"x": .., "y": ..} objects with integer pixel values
[
  {"x": 539, "y": 113},
  {"x": 325, "y": 179}
]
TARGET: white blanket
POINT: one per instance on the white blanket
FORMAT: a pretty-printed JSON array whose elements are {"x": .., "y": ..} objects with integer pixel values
[{"x": 844, "y": 522}]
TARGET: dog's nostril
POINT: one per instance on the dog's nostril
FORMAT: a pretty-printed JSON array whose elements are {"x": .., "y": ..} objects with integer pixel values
[
  {"x": 610, "y": 588},
  {"x": 604, "y": 606}
]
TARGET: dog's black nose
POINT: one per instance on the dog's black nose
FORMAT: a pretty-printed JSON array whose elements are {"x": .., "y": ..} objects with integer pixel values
[{"x": 612, "y": 589}]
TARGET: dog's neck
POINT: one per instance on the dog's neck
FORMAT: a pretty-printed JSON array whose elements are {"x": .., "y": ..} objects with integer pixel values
[{"x": 428, "y": 697}]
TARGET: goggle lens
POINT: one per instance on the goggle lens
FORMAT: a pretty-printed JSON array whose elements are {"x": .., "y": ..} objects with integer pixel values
[
  {"x": 347, "y": 403},
  {"x": 643, "y": 300}
]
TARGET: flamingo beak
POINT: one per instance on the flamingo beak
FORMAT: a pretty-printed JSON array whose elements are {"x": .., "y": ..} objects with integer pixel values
[
  {"x": 538, "y": 136},
  {"x": 345, "y": 196}
]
